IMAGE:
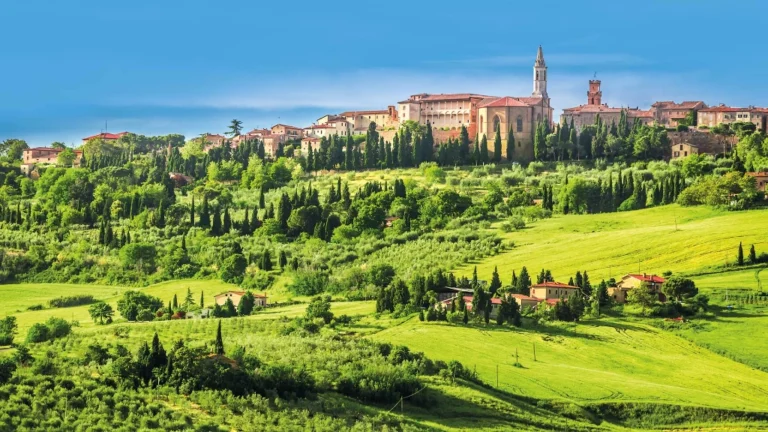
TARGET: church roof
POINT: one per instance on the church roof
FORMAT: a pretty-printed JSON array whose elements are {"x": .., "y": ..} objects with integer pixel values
[
  {"x": 506, "y": 101},
  {"x": 540, "y": 57}
]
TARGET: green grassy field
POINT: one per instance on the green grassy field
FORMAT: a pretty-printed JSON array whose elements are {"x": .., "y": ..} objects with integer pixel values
[
  {"x": 592, "y": 362},
  {"x": 739, "y": 282},
  {"x": 612, "y": 244}
]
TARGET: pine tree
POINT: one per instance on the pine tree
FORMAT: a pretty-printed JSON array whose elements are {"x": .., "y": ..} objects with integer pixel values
[
  {"x": 524, "y": 282},
  {"x": 741, "y": 255},
  {"x": 218, "y": 347}
]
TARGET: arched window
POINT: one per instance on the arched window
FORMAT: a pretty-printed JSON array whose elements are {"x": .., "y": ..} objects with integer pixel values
[
  {"x": 519, "y": 123},
  {"x": 496, "y": 124}
]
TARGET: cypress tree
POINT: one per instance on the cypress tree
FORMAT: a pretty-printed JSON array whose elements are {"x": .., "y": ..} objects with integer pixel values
[
  {"x": 752, "y": 255},
  {"x": 202, "y": 298},
  {"x": 254, "y": 220},
  {"x": 497, "y": 145},
  {"x": 261, "y": 197},
  {"x": 495, "y": 282},
  {"x": 510, "y": 144},
  {"x": 266, "y": 261},
  {"x": 175, "y": 302},
  {"x": 484, "y": 149},
  {"x": 245, "y": 227},
  {"x": 205, "y": 214},
  {"x": 218, "y": 346},
  {"x": 741, "y": 255},
  {"x": 226, "y": 225},
  {"x": 192, "y": 212},
  {"x": 216, "y": 224},
  {"x": 466, "y": 316}
]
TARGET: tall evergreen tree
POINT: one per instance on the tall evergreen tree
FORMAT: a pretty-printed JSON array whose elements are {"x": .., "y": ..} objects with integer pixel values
[
  {"x": 205, "y": 218},
  {"x": 216, "y": 223},
  {"x": 497, "y": 145},
  {"x": 484, "y": 150},
  {"x": 741, "y": 255},
  {"x": 752, "y": 255},
  {"x": 510, "y": 144},
  {"x": 218, "y": 345},
  {"x": 464, "y": 145},
  {"x": 495, "y": 282},
  {"x": 192, "y": 212},
  {"x": 226, "y": 224}
]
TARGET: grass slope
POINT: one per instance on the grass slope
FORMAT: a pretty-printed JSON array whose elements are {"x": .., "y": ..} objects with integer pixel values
[
  {"x": 592, "y": 362},
  {"x": 613, "y": 244}
]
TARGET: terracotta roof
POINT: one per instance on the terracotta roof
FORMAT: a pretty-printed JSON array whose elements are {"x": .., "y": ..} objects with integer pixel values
[
  {"x": 354, "y": 113},
  {"x": 723, "y": 108},
  {"x": 675, "y": 105},
  {"x": 319, "y": 127},
  {"x": 310, "y": 139},
  {"x": 758, "y": 174},
  {"x": 285, "y": 126},
  {"x": 639, "y": 113},
  {"x": 444, "y": 96},
  {"x": 494, "y": 300},
  {"x": 554, "y": 285},
  {"x": 106, "y": 135},
  {"x": 44, "y": 149},
  {"x": 550, "y": 301},
  {"x": 524, "y": 297},
  {"x": 531, "y": 100},
  {"x": 505, "y": 101},
  {"x": 647, "y": 278}
]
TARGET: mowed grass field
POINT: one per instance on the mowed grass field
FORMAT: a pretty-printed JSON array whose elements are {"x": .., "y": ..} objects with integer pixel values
[
  {"x": 591, "y": 362},
  {"x": 679, "y": 239}
]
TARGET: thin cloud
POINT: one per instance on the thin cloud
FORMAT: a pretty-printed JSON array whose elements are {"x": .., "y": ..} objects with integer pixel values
[{"x": 562, "y": 60}]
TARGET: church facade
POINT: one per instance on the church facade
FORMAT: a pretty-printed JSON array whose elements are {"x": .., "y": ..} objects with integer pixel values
[{"x": 482, "y": 115}]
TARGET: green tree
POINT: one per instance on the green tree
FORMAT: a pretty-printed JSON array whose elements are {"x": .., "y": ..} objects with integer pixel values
[
  {"x": 466, "y": 317},
  {"x": 740, "y": 257},
  {"x": 13, "y": 148},
  {"x": 232, "y": 270},
  {"x": 752, "y": 255},
  {"x": 266, "y": 261},
  {"x": 524, "y": 282},
  {"x": 497, "y": 145},
  {"x": 8, "y": 330},
  {"x": 319, "y": 307},
  {"x": 202, "y": 298},
  {"x": 642, "y": 296},
  {"x": 235, "y": 127},
  {"x": 101, "y": 313},
  {"x": 189, "y": 301},
  {"x": 495, "y": 282},
  {"x": 679, "y": 289},
  {"x": 229, "y": 308},
  {"x": 133, "y": 302},
  {"x": 218, "y": 345},
  {"x": 66, "y": 157},
  {"x": 247, "y": 301},
  {"x": 510, "y": 144}
]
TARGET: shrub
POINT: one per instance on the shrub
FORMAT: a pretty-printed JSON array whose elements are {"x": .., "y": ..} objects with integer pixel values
[
  {"x": 133, "y": 302},
  {"x": 76, "y": 300},
  {"x": 233, "y": 269},
  {"x": 37, "y": 333},
  {"x": 309, "y": 282}
]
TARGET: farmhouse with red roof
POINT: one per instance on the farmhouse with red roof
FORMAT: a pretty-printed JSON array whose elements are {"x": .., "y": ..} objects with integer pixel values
[{"x": 632, "y": 281}]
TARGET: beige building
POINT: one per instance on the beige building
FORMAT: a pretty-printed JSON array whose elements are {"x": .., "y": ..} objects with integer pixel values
[
  {"x": 358, "y": 121},
  {"x": 670, "y": 114},
  {"x": 722, "y": 114},
  {"x": 441, "y": 111},
  {"x": 320, "y": 131},
  {"x": 553, "y": 291},
  {"x": 683, "y": 150},
  {"x": 524, "y": 301},
  {"x": 631, "y": 281},
  {"x": 288, "y": 132},
  {"x": 236, "y": 296},
  {"x": 761, "y": 180},
  {"x": 585, "y": 115},
  {"x": 47, "y": 156},
  {"x": 520, "y": 114},
  {"x": 307, "y": 142}
]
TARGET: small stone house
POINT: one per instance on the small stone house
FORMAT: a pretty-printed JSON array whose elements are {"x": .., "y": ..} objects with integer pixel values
[{"x": 236, "y": 296}]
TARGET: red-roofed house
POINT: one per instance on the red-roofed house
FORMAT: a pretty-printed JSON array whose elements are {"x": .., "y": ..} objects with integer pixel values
[
  {"x": 288, "y": 132},
  {"x": 722, "y": 114},
  {"x": 553, "y": 290},
  {"x": 525, "y": 301},
  {"x": 360, "y": 120},
  {"x": 670, "y": 113},
  {"x": 631, "y": 281},
  {"x": 45, "y": 156},
  {"x": 761, "y": 180},
  {"x": 106, "y": 136},
  {"x": 495, "y": 303},
  {"x": 213, "y": 141},
  {"x": 236, "y": 296}
]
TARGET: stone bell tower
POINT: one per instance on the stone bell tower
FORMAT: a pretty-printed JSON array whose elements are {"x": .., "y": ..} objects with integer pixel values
[{"x": 540, "y": 76}]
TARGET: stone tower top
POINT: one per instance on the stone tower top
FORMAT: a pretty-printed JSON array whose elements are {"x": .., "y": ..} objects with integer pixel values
[
  {"x": 540, "y": 76},
  {"x": 594, "y": 95}
]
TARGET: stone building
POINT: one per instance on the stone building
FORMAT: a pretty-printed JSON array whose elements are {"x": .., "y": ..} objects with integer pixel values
[
  {"x": 722, "y": 114},
  {"x": 670, "y": 114},
  {"x": 585, "y": 115}
]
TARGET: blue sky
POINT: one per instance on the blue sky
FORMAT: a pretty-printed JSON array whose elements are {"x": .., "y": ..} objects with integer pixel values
[{"x": 171, "y": 66}]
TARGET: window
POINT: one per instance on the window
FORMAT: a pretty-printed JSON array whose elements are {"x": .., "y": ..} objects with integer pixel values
[
  {"x": 519, "y": 123},
  {"x": 681, "y": 146},
  {"x": 496, "y": 123}
]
